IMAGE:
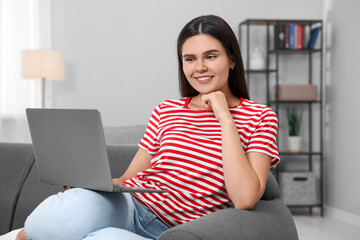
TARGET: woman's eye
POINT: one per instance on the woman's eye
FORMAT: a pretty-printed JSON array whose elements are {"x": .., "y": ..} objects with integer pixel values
[
  {"x": 211, "y": 56},
  {"x": 189, "y": 59}
]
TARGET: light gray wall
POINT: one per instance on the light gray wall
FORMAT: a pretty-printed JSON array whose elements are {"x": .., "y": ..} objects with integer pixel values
[
  {"x": 121, "y": 55},
  {"x": 342, "y": 112}
]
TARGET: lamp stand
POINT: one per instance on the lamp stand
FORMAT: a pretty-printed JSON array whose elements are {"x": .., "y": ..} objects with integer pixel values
[{"x": 43, "y": 92}]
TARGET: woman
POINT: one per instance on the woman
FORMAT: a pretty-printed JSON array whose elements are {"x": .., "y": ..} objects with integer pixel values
[{"x": 211, "y": 149}]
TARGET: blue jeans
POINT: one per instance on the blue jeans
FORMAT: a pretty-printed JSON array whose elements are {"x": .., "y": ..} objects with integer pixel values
[{"x": 85, "y": 214}]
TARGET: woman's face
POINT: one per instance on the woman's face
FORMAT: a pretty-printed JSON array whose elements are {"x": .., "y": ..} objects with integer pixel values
[{"x": 206, "y": 64}]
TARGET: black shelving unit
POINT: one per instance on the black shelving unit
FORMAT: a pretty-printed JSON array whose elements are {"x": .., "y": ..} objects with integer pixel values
[{"x": 271, "y": 78}]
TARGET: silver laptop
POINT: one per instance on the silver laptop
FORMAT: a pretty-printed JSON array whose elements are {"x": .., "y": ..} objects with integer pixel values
[{"x": 70, "y": 149}]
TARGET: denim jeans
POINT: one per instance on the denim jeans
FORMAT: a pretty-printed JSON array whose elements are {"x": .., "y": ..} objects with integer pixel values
[{"x": 84, "y": 214}]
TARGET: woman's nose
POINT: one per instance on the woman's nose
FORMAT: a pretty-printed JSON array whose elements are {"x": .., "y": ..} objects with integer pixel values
[{"x": 201, "y": 66}]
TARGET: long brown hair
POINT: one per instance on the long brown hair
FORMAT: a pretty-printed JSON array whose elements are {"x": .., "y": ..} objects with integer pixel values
[{"x": 219, "y": 29}]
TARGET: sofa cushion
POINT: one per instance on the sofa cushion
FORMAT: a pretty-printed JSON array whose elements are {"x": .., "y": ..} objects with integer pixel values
[{"x": 120, "y": 157}]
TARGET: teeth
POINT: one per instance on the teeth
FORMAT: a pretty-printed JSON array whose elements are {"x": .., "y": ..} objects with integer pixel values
[{"x": 203, "y": 78}]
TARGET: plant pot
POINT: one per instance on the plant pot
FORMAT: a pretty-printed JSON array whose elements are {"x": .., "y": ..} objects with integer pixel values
[{"x": 294, "y": 144}]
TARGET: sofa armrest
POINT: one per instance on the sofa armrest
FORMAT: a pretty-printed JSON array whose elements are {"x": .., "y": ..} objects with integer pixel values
[
  {"x": 268, "y": 220},
  {"x": 271, "y": 189}
]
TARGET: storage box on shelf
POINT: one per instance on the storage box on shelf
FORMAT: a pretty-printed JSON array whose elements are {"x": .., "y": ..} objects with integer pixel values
[
  {"x": 298, "y": 42},
  {"x": 306, "y": 92},
  {"x": 298, "y": 188}
]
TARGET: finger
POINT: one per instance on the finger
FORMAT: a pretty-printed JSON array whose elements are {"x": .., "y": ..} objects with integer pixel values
[
  {"x": 206, "y": 104},
  {"x": 206, "y": 101}
]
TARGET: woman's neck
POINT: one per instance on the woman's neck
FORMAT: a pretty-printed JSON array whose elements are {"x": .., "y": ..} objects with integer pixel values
[{"x": 195, "y": 102}]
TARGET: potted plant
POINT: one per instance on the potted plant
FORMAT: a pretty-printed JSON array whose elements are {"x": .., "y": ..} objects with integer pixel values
[{"x": 294, "y": 138}]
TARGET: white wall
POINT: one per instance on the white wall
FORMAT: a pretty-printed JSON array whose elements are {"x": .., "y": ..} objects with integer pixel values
[
  {"x": 342, "y": 98},
  {"x": 121, "y": 55}
]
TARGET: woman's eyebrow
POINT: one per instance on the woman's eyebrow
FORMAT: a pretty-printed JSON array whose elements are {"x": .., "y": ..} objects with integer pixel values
[
  {"x": 188, "y": 55},
  {"x": 211, "y": 51},
  {"x": 206, "y": 52}
]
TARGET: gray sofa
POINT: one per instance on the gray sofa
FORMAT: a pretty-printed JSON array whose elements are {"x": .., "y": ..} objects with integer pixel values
[{"x": 21, "y": 192}]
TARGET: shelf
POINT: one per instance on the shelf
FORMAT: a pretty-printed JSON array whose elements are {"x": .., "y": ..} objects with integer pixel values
[
  {"x": 300, "y": 153},
  {"x": 292, "y": 102},
  {"x": 261, "y": 71},
  {"x": 295, "y": 51},
  {"x": 307, "y": 205},
  {"x": 273, "y": 22},
  {"x": 309, "y": 157}
]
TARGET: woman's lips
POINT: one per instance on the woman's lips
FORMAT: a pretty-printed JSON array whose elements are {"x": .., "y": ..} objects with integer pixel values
[{"x": 204, "y": 79}]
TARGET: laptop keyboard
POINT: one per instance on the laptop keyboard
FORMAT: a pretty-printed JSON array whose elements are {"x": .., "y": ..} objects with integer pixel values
[{"x": 118, "y": 187}]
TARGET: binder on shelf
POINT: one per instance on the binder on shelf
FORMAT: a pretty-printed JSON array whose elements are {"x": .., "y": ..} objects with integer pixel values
[
  {"x": 280, "y": 36},
  {"x": 313, "y": 37}
]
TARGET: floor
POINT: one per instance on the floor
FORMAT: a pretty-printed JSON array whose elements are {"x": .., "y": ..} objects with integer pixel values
[{"x": 324, "y": 228}]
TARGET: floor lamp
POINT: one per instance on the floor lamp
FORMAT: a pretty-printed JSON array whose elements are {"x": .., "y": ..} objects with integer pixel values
[{"x": 45, "y": 65}]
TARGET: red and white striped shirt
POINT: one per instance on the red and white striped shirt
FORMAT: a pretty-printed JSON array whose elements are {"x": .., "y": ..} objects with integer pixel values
[{"x": 188, "y": 157}]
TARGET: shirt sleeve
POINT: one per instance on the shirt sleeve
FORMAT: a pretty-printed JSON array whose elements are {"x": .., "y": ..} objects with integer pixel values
[
  {"x": 264, "y": 138},
  {"x": 150, "y": 140}
]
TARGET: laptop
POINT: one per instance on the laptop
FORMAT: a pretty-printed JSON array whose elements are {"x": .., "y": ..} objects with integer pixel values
[{"x": 70, "y": 149}]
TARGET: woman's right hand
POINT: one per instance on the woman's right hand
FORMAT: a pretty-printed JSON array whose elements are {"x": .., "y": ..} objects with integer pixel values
[{"x": 118, "y": 181}]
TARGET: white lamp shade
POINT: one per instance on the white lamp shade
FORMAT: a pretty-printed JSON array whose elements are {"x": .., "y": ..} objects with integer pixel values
[{"x": 43, "y": 64}]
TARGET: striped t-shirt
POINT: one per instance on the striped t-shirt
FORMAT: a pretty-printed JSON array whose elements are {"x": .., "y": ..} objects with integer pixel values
[{"x": 188, "y": 157}]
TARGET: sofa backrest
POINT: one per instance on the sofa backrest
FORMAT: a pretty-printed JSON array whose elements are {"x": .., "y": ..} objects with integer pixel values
[
  {"x": 14, "y": 161},
  {"x": 124, "y": 135}
]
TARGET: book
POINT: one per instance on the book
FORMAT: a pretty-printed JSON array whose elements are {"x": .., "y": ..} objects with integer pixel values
[
  {"x": 282, "y": 36},
  {"x": 287, "y": 36},
  {"x": 305, "y": 35},
  {"x": 279, "y": 36},
  {"x": 276, "y": 36},
  {"x": 295, "y": 35},
  {"x": 291, "y": 36},
  {"x": 313, "y": 37},
  {"x": 300, "y": 37}
]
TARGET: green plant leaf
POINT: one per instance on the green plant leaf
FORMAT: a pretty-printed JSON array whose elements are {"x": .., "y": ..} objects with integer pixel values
[{"x": 294, "y": 121}]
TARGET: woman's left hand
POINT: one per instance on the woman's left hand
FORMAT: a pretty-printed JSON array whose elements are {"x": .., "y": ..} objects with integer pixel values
[{"x": 216, "y": 101}]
